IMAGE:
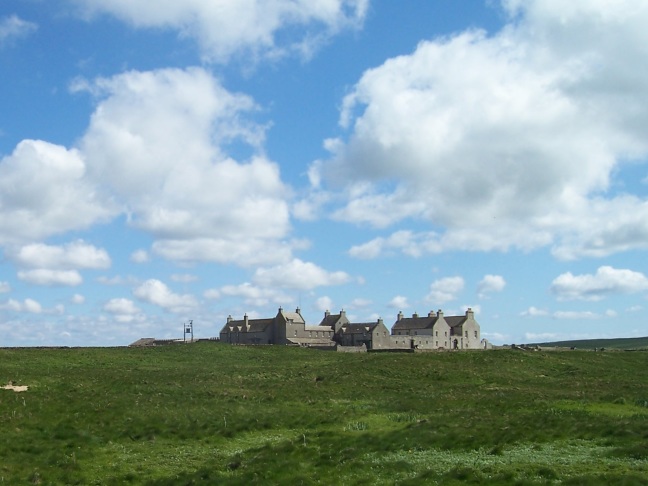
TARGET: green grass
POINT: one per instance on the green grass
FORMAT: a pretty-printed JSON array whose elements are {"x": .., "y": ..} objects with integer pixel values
[
  {"x": 640, "y": 343},
  {"x": 211, "y": 413}
]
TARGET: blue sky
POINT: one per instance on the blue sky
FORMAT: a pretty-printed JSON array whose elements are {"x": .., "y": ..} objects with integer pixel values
[{"x": 209, "y": 158}]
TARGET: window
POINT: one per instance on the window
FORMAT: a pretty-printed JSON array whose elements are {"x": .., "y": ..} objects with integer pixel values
[
  {"x": 446, "y": 334},
  {"x": 415, "y": 333},
  {"x": 437, "y": 343},
  {"x": 466, "y": 333},
  {"x": 437, "y": 333},
  {"x": 475, "y": 333}
]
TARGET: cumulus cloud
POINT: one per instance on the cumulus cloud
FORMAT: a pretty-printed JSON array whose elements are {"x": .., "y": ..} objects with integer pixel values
[
  {"x": 445, "y": 290},
  {"x": 44, "y": 276},
  {"x": 28, "y": 305},
  {"x": 399, "y": 302},
  {"x": 157, "y": 293},
  {"x": 5, "y": 287},
  {"x": 140, "y": 256},
  {"x": 77, "y": 254},
  {"x": 324, "y": 303},
  {"x": 298, "y": 275},
  {"x": 490, "y": 284},
  {"x": 251, "y": 294},
  {"x": 44, "y": 192},
  {"x": 223, "y": 28},
  {"x": 199, "y": 203},
  {"x": 534, "y": 312},
  {"x": 605, "y": 282},
  {"x": 77, "y": 299},
  {"x": 13, "y": 27},
  {"x": 500, "y": 141},
  {"x": 123, "y": 310}
]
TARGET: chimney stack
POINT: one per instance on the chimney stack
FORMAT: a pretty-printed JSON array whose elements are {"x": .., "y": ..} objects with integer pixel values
[{"x": 400, "y": 316}]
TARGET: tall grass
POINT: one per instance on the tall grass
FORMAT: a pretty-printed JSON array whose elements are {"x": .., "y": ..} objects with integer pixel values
[{"x": 212, "y": 413}]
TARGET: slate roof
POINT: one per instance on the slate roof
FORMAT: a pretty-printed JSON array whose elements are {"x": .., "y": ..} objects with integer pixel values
[
  {"x": 254, "y": 325},
  {"x": 319, "y": 328},
  {"x": 425, "y": 322},
  {"x": 454, "y": 321},
  {"x": 293, "y": 316},
  {"x": 330, "y": 320},
  {"x": 358, "y": 328}
]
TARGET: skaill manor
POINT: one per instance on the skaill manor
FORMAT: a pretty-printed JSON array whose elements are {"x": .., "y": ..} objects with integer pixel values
[{"x": 433, "y": 331}]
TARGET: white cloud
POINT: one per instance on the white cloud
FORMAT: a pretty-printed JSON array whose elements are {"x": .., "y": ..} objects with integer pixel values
[
  {"x": 445, "y": 290},
  {"x": 156, "y": 292},
  {"x": 13, "y": 27},
  {"x": 607, "y": 281},
  {"x": 43, "y": 276},
  {"x": 244, "y": 252},
  {"x": 5, "y": 287},
  {"x": 324, "y": 303},
  {"x": 28, "y": 305},
  {"x": 500, "y": 141},
  {"x": 255, "y": 27},
  {"x": 576, "y": 315},
  {"x": 199, "y": 204},
  {"x": 77, "y": 299},
  {"x": 534, "y": 312},
  {"x": 490, "y": 284},
  {"x": 75, "y": 255},
  {"x": 123, "y": 310},
  {"x": 399, "y": 302},
  {"x": 140, "y": 256},
  {"x": 120, "y": 306},
  {"x": 44, "y": 192},
  {"x": 251, "y": 294},
  {"x": 298, "y": 275}
]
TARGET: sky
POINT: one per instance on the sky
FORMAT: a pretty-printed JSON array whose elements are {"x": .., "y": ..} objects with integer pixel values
[{"x": 207, "y": 158}]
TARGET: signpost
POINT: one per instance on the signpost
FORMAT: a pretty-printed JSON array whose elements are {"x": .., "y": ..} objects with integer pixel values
[{"x": 188, "y": 330}]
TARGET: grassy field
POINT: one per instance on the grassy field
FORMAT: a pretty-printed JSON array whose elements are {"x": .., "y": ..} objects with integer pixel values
[
  {"x": 210, "y": 413},
  {"x": 640, "y": 343}
]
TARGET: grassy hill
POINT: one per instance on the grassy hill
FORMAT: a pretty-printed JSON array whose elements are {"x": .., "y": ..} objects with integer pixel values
[
  {"x": 640, "y": 343},
  {"x": 211, "y": 413}
]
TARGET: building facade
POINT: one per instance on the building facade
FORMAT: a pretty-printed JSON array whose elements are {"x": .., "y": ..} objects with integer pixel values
[{"x": 435, "y": 331}]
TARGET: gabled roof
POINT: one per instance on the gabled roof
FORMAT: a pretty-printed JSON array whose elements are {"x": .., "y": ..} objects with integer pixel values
[
  {"x": 330, "y": 320},
  {"x": 254, "y": 325},
  {"x": 426, "y": 322},
  {"x": 455, "y": 321},
  {"x": 292, "y": 316},
  {"x": 357, "y": 328}
]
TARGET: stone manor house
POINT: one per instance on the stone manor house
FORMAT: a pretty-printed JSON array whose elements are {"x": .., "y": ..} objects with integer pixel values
[{"x": 433, "y": 331}]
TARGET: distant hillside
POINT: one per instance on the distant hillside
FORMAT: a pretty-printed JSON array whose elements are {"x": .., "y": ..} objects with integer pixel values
[{"x": 619, "y": 343}]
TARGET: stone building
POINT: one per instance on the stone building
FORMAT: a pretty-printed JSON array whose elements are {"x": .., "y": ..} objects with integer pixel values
[
  {"x": 285, "y": 328},
  {"x": 436, "y": 331},
  {"x": 432, "y": 332}
]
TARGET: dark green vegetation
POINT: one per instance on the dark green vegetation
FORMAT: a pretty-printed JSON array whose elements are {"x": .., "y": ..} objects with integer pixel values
[
  {"x": 619, "y": 343},
  {"x": 216, "y": 414}
]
